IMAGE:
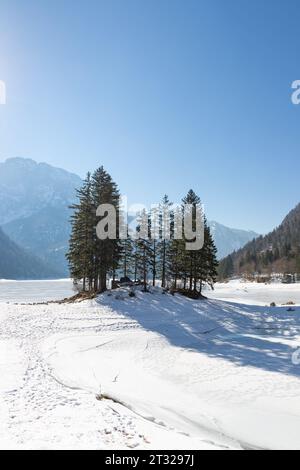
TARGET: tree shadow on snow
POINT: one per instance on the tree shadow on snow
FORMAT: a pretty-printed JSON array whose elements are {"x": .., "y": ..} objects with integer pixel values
[{"x": 242, "y": 334}]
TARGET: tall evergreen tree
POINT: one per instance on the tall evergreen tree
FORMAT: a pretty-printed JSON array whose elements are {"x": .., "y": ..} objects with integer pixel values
[
  {"x": 209, "y": 259},
  {"x": 193, "y": 268},
  {"x": 80, "y": 254},
  {"x": 166, "y": 232},
  {"x": 143, "y": 248},
  {"x": 193, "y": 259},
  {"x": 157, "y": 250},
  {"x": 154, "y": 234},
  {"x": 127, "y": 257},
  {"x": 107, "y": 252}
]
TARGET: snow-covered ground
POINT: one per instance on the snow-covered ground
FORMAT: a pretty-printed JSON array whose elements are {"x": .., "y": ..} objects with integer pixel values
[
  {"x": 35, "y": 291},
  {"x": 252, "y": 293},
  {"x": 176, "y": 373}
]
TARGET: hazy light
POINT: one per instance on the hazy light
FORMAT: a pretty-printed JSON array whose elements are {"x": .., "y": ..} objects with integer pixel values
[{"x": 2, "y": 92}]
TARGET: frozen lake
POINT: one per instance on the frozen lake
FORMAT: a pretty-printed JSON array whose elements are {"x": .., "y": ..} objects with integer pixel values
[
  {"x": 234, "y": 291},
  {"x": 252, "y": 293},
  {"x": 35, "y": 291}
]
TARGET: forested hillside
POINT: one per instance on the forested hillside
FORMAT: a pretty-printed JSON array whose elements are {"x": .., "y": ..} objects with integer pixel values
[{"x": 279, "y": 251}]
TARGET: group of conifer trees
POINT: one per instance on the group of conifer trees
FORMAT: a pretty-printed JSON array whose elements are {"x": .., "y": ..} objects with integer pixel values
[{"x": 143, "y": 258}]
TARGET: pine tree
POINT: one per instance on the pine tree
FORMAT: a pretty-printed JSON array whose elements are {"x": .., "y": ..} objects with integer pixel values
[
  {"x": 164, "y": 246},
  {"x": 209, "y": 259},
  {"x": 193, "y": 267},
  {"x": 143, "y": 249},
  {"x": 154, "y": 234},
  {"x": 193, "y": 259},
  {"x": 80, "y": 254},
  {"x": 176, "y": 268},
  {"x": 127, "y": 257},
  {"x": 157, "y": 249},
  {"x": 226, "y": 268},
  {"x": 107, "y": 252}
]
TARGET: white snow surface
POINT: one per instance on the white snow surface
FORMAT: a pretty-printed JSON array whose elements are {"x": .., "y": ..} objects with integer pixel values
[
  {"x": 173, "y": 373},
  {"x": 253, "y": 293},
  {"x": 35, "y": 291}
]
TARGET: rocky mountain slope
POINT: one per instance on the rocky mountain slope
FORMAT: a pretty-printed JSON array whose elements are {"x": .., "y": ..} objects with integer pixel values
[
  {"x": 34, "y": 201},
  {"x": 16, "y": 263}
]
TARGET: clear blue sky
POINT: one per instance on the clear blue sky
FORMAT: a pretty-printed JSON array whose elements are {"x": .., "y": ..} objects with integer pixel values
[{"x": 166, "y": 94}]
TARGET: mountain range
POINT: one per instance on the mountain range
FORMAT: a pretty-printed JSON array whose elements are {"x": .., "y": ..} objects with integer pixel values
[
  {"x": 34, "y": 209},
  {"x": 228, "y": 239},
  {"x": 16, "y": 263},
  {"x": 277, "y": 252},
  {"x": 26, "y": 187},
  {"x": 34, "y": 214}
]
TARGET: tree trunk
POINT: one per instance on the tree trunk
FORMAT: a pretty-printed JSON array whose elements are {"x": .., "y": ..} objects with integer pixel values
[
  {"x": 145, "y": 270},
  {"x": 135, "y": 269},
  {"x": 125, "y": 264},
  {"x": 191, "y": 274},
  {"x": 154, "y": 263},
  {"x": 163, "y": 276}
]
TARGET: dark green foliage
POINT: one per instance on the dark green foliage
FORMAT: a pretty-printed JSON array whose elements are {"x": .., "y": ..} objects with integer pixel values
[
  {"x": 126, "y": 265},
  {"x": 279, "y": 251},
  {"x": 226, "y": 269},
  {"x": 106, "y": 252},
  {"x": 164, "y": 245},
  {"x": 154, "y": 252},
  {"x": 92, "y": 259},
  {"x": 143, "y": 251},
  {"x": 192, "y": 269},
  {"x": 81, "y": 249}
]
